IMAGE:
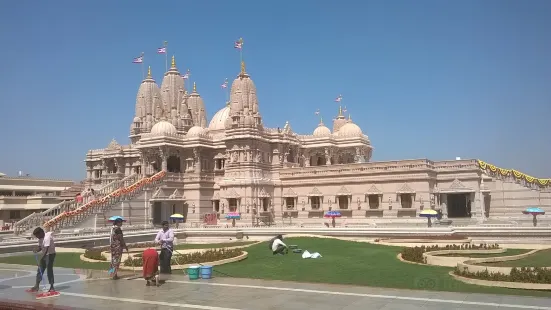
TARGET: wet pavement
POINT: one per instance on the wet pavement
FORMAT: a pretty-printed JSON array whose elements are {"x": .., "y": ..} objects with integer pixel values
[{"x": 231, "y": 294}]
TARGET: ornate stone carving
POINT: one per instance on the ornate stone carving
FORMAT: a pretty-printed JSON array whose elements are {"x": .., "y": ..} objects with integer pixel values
[
  {"x": 405, "y": 189},
  {"x": 344, "y": 191}
]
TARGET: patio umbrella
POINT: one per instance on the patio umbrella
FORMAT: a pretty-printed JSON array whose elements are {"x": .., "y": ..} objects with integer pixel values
[
  {"x": 177, "y": 216},
  {"x": 233, "y": 216},
  {"x": 429, "y": 214},
  {"x": 332, "y": 215},
  {"x": 116, "y": 217},
  {"x": 535, "y": 211}
]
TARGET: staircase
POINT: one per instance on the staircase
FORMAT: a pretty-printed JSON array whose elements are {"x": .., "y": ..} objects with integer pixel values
[{"x": 69, "y": 213}]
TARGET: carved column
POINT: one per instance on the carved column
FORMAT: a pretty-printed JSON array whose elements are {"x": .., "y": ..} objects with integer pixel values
[
  {"x": 197, "y": 159},
  {"x": 164, "y": 159},
  {"x": 327, "y": 156}
]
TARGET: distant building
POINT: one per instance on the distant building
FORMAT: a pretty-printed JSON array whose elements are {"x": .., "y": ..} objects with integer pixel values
[{"x": 23, "y": 195}]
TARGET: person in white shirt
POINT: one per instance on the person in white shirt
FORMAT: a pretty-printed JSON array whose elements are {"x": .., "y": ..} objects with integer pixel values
[
  {"x": 278, "y": 247},
  {"x": 165, "y": 238},
  {"x": 46, "y": 248}
]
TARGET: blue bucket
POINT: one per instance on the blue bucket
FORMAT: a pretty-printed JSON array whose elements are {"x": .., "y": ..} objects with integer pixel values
[{"x": 206, "y": 272}]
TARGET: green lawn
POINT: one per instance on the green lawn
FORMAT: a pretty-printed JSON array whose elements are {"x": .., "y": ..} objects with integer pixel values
[
  {"x": 213, "y": 245},
  {"x": 509, "y": 252},
  {"x": 347, "y": 262},
  {"x": 343, "y": 262},
  {"x": 538, "y": 259}
]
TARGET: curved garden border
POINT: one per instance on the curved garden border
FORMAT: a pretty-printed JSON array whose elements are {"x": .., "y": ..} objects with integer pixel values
[
  {"x": 517, "y": 285},
  {"x": 471, "y": 264},
  {"x": 240, "y": 257},
  {"x": 433, "y": 257}
]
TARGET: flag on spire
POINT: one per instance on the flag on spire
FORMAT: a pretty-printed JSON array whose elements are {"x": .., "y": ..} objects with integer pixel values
[
  {"x": 138, "y": 60},
  {"x": 238, "y": 44},
  {"x": 225, "y": 84},
  {"x": 161, "y": 50},
  {"x": 186, "y": 76},
  {"x": 344, "y": 109},
  {"x": 338, "y": 99},
  {"x": 317, "y": 112}
]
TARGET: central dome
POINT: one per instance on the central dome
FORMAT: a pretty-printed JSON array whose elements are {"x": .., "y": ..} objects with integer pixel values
[
  {"x": 163, "y": 128},
  {"x": 219, "y": 119}
]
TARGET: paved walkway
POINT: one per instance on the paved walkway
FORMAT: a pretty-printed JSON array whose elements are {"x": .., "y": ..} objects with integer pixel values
[{"x": 234, "y": 294}]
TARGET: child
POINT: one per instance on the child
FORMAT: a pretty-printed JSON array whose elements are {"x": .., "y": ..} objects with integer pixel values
[{"x": 46, "y": 255}]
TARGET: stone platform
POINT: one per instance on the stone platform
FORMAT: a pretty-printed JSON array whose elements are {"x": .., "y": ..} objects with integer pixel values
[{"x": 77, "y": 292}]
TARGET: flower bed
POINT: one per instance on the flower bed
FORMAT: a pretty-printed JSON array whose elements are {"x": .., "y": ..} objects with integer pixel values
[
  {"x": 524, "y": 275},
  {"x": 192, "y": 258},
  {"x": 95, "y": 255},
  {"x": 415, "y": 254}
]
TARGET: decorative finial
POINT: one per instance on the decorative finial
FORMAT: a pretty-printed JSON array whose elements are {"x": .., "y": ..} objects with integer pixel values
[
  {"x": 340, "y": 110},
  {"x": 173, "y": 64},
  {"x": 349, "y": 117},
  {"x": 194, "y": 87},
  {"x": 242, "y": 67},
  {"x": 149, "y": 72},
  {"x": 321, "y": 121},
  {"x": 228, "y": 103}
]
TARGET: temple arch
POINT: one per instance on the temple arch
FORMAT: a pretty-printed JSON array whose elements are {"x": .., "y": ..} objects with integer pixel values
[{"x": 173, "y": 164}]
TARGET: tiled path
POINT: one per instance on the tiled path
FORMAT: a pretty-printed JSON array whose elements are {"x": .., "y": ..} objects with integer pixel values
[{"x": 233, "y": 294}]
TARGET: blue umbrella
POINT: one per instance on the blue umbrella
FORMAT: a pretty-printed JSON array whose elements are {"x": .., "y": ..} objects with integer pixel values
[
  {"x": 116, "y": 217},
  {"x": 535, "y": 211}
]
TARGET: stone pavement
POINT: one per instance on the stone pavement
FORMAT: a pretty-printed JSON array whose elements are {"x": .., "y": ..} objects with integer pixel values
[{"x": 233, "y": 294}]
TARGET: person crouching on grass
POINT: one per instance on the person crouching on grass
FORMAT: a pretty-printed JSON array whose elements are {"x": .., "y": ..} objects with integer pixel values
[
  {"x": 46, "y": 248},
  {"x": 278, "y": 247},
  {"x": 165, "y": 238}
]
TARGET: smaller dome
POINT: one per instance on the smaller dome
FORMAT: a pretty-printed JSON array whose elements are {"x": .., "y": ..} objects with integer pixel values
[
  {"x": 219, "y": 119},
  {"x": 322, "y": 130},
  {"x": 137, "y": 120},
  {"x": 195, "y": 131},
  {"x": 350, "y": 130},
  {"x": 164, "y": 128}
]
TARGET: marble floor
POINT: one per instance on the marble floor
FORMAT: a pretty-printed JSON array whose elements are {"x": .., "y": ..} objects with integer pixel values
[{"x": 77, "y": 292}]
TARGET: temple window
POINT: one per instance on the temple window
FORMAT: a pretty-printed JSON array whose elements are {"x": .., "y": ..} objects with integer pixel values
[
  {"x": 138, "y": 170},
  {"x": 216, "y": 205},
  {"x": 406, "y": 200},
  {"x": 373, "y": 201},
  {"x": 343, "y": 202},
  {"x": 315, "y": 202},
  {"x": 173, "y": 164},
  {"x": 290, "y": 203},
  {"x": 232, "y": 202}
]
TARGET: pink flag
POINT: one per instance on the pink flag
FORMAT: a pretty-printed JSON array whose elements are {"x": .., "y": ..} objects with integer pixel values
[
  {"x": 138, "y": 60},
  {"x": 161, "y": 50},
  {"x": 238, "y": 44},
  {"x": 339, "y": 98},
  {"x": 225, "y": 84},
  {"x": 186, "y": 76}
]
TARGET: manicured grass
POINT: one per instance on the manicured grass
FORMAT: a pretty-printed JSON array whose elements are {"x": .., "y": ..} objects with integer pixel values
[
  {"x": 509, "y": 252},
  {"x": 212, "y": 245},
  {"x": 66, "y": 260},
  {"x": 347, "y": 262},
  {"x": 538, "y": 259}
]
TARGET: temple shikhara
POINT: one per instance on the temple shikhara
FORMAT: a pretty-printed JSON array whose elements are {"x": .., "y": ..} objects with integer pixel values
[{"x": 233, "y": 163}]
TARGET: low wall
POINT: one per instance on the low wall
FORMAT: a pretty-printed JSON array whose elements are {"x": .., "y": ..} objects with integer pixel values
[
  {"x": 471, "y": 264},
  {"x": 432, "y": 258}
]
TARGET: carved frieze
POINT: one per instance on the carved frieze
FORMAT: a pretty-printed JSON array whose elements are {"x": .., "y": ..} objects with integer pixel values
[{"x": 405, "y": 189}]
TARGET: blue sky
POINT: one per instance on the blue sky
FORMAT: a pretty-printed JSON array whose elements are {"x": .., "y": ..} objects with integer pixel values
[{"x": 423, "y": 79}]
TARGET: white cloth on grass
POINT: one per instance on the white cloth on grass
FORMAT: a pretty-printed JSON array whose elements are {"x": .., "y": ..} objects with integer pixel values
[{"x": 307, "y": 254}]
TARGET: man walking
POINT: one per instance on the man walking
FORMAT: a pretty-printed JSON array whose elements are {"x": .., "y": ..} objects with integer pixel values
[{"x": 165, "y": 237}]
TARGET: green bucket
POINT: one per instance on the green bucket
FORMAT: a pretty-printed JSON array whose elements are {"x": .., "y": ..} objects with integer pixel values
[{"x": 193, "y": 272}]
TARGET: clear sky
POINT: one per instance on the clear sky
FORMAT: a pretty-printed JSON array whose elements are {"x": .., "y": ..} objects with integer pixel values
[{"x": 423, "y": 79}]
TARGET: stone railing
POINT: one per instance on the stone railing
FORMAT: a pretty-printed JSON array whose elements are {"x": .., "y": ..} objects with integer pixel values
[
  {"x": 127, "y": 189},
  {"x": 37, "y": 219}
]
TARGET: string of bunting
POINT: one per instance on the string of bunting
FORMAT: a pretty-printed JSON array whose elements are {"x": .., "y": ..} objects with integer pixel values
[
  {"x": 511, "y": 172},
  {"x": 98, "y": 202}
]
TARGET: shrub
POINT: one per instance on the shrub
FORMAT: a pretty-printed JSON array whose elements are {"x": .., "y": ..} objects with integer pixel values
[
  {"x": 94, "y": 254},
  {"x": 191, "y": 258},
  {"x": 524, "y": 275},
  {"x": 415, "y": 254}
]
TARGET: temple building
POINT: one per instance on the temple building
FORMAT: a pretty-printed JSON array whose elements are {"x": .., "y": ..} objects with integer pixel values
[{"x": 235, "y": 163}]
